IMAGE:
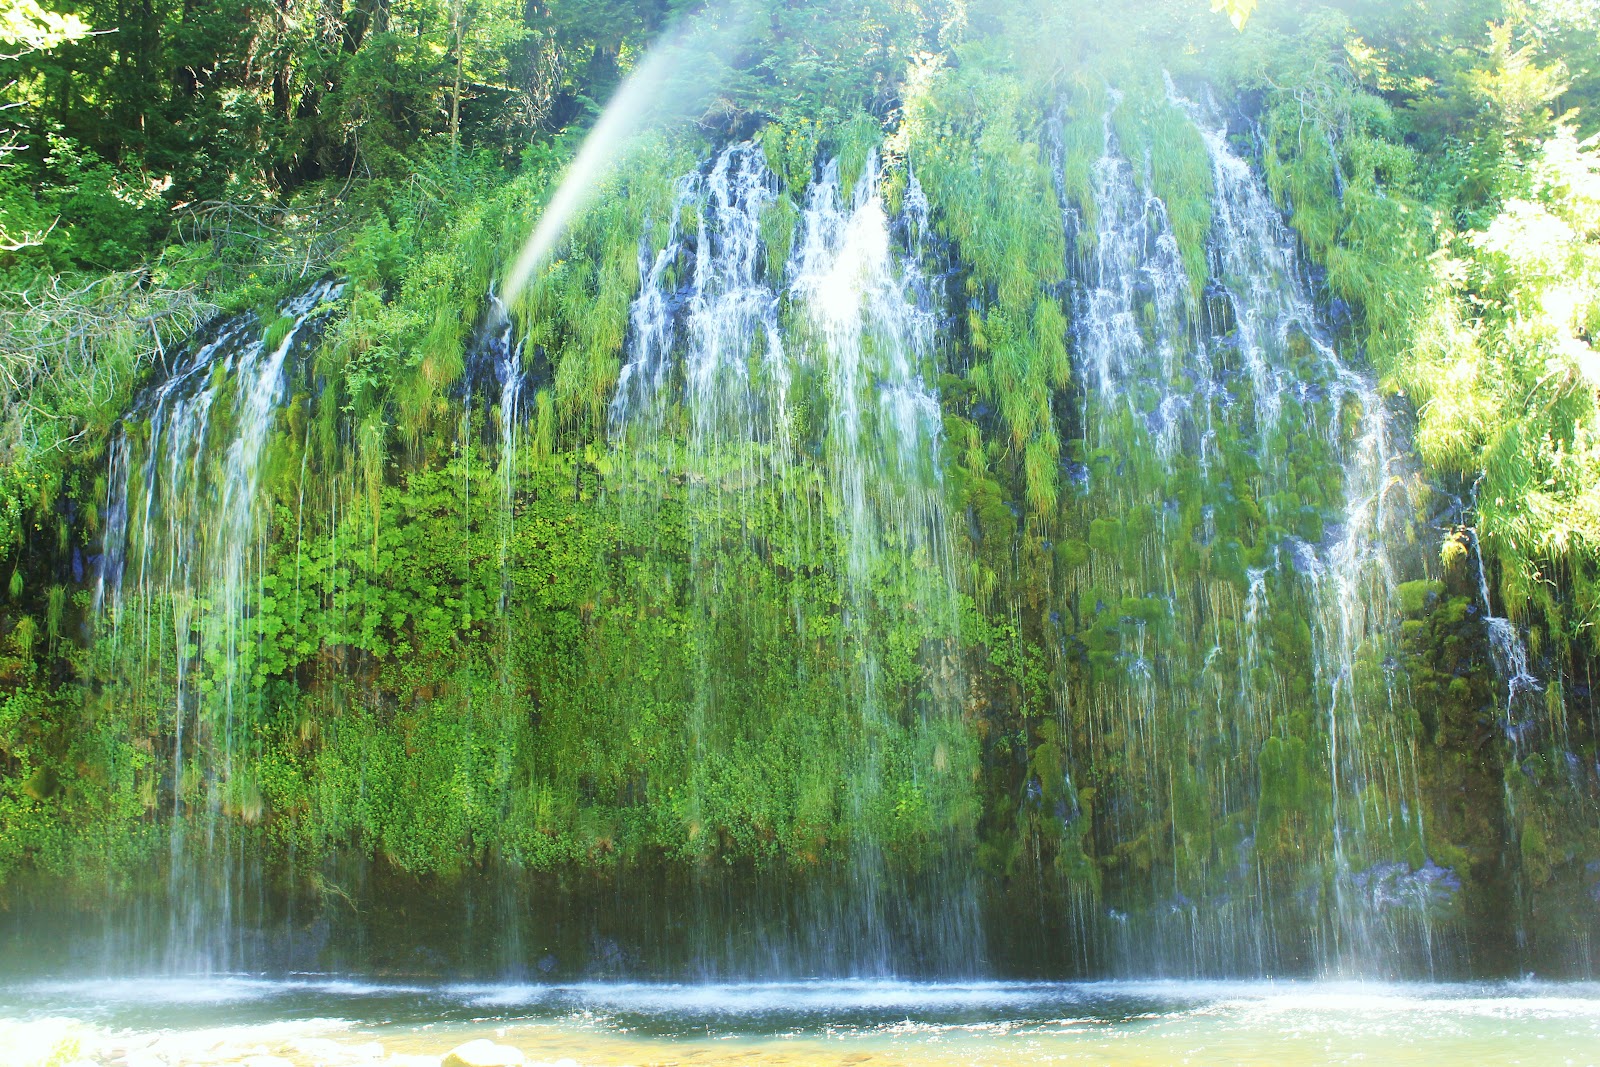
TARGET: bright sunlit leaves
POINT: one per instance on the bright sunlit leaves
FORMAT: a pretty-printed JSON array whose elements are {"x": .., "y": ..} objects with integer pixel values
[
  {"x": 25, "y": 23},
  {"x": 1237, "y": 10}
]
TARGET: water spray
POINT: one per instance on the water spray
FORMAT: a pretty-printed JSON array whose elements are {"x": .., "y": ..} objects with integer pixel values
[{"x": 640, "y": 100}]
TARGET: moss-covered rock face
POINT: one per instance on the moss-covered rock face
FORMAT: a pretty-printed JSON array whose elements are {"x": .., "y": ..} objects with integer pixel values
[
  {"x": 712, "y": 621},
  {"x": 865, "y": 547},
  {"x": 1219, "y": 624}
]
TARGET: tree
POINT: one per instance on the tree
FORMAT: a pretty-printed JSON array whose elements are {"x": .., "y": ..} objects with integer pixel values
[
  {"x": 482, "y": 32},
  {"x": 25, "y": 23},
  {"x": 1237, "y": 10}
]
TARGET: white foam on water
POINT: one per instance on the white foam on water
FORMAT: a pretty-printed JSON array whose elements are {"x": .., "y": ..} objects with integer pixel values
[
  {"x": 1286, "y": 1023},
  {"x": 226, "y": 989},
  {"x": 726, "y": 998},
  {"x": 886, "y": 1007},
  {"x": 821, "y": 997}
]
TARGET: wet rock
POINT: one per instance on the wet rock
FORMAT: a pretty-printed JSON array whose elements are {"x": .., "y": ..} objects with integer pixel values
[{"x": 484, "y": 1053}]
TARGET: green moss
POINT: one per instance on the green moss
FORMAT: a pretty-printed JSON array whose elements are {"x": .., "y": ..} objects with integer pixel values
[
  {"x": 1106, "y": 535},
  {"x": 1536, "y": 854},
  {"x": 1071, "y": 554},
  {"x": 1419, "y": 597}
]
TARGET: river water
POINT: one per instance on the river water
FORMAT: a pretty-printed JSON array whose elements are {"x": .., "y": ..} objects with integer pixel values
[{"x": 323, "y": 1019}]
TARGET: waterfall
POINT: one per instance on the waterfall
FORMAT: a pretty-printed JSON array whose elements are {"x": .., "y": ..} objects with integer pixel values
[
  {"x": 802, "y": 389},
  {"x": 1210, "y": 759},
  {"x": 494, "y": 369},
  {"x": 495, "y": 362},
  {"x": 1135, "y": 266},
  {"x": 183, "y": 554},
  {"x": 728, "y": 315},
  {"x": 1545, "y": 780},
  {"x": 705, "y": 341},
  {"x": 1510, "y": 657},
  {"x": 1370, "y": 748},
  {"x": 885, "y": 468},
  {"x": 1232, "y": 393},
  {"x": 845, "y": 275}
]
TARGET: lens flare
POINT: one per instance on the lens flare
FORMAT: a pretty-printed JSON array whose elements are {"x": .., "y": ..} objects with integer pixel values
[{"x": 659, "y": 90}]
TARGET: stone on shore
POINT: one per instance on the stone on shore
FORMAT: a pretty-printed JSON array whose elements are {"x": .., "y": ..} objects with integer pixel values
[{"x": 484, "y": 1053}]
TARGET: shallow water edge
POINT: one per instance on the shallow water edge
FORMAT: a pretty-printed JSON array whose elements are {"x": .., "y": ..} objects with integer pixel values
[{"x": 338, "y": 1020}]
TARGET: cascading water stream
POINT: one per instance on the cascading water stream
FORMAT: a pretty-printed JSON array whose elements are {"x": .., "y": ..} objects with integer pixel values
[
  {"x": 734, "y": 375},
  {"x": 884, "y": 457},
  {"x": 830, "y": 365},
  {"x": 713, "y": 339},
  {"x": 1229, "y": 391},
  {"x": 1359, "y": 604},
  {"x": 495, "y": 369},
  {"x": 196, "y": 535},
  {"x": 1543, "y": 769},
  {"x": 1136, "y": 265},
  {"x": 1510, "y": 656},
  {"x": 496, "y": 351}
]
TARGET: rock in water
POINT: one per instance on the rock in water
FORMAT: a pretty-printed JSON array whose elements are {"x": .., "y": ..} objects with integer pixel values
[{"x": 484, "y": 1053}]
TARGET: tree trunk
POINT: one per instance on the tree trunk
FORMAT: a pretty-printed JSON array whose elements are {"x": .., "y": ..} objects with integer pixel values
[
  {"x": 455, "y": 104},
  {"x": 459, "y": 19}
]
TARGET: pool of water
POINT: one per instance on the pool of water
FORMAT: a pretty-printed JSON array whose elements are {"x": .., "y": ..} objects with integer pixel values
[{"x": 333, "y": 1020}]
